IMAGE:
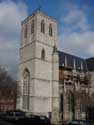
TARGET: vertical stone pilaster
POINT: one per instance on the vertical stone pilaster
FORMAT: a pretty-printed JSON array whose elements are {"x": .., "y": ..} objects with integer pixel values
[
  {"x": 55, "y": 88},
  {"x": 19, "y": 95},
  {"x": 65, "y": 115}
]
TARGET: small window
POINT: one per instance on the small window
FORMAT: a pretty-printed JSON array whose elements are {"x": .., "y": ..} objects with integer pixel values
[
  {"x": 32, "y": 27},
  {"x": 25, "y": 32},
  {"x": 26, "y": 89},
  {"x": 42, "y": 26},
  {"x": 50, "y": 30},
  {"x": 43, "y": 54}
]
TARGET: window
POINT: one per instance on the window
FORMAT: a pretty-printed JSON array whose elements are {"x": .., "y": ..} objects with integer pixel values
[
  {"x": 43, "y": 54},
  {"x": 61, "y": 102},
  {"x": 50, "y": 30},
  {"x": 26, "y": 86},
  {"x": 42, "y": 26},
  {"x": 25, "y": 32},
  {"x": 32, "y": 27}
]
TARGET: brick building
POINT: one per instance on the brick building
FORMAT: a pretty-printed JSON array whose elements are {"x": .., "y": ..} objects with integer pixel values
[{"x": 7, "y": 100}]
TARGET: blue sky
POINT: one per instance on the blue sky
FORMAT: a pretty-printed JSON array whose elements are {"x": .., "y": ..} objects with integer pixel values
[{"x": 75, "y": 27}]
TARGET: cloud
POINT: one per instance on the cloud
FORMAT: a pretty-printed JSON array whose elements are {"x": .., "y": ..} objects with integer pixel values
[
  {"x": 76, "y": 19},
  {"x": 76, "y": 36},
  {"x": 11, "y": 15},
  {"x": 81, "y": 44}
]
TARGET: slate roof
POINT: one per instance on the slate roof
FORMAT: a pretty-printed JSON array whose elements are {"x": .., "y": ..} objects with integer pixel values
[
  {"x": 70, "y": 60},
  {"x": 90, "y": 63}
]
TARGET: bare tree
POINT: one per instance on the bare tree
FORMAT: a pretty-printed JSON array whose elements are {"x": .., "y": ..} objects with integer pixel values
[{"x": 8, "y": 86}]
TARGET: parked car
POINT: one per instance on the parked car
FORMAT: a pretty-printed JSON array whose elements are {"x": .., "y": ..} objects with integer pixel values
[
  {"x": 79, "y": 122},
  {"x": 74, "y": 122},
  {"x": 12, "y": 116},
  {"x": 34, "y": 120},
  {"x": 5, "y": 123},
  {"x": 86, "y": 122},
  {"x": 2, "y": 115}
]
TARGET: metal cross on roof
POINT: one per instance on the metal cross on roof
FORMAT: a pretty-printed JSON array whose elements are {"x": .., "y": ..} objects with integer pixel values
[{"x": 38, "y": 5}]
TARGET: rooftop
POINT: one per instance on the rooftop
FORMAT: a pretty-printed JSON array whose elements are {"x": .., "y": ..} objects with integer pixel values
[
  {"x": 90, "y": 63},
  {"x": 38, "y": 11},
  {"x": 70, "y": 61}
]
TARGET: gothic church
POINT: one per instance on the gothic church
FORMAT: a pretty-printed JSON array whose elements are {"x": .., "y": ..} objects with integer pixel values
[{"x": 50, "y": 82}]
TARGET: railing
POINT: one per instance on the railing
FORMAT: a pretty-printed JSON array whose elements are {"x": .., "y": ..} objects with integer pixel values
[{"x": 69, "y": 73}]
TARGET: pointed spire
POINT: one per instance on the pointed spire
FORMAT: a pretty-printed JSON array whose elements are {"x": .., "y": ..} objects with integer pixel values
[
  {"x": 74, "y": 65},
  {"x": 82, "y": 66},
  {"x": 66, "y": 64},
  {"x": 54, "y": 49}
]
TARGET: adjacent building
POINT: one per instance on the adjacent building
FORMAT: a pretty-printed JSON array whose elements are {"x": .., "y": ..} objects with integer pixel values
[{"x": 7, "y": 99}]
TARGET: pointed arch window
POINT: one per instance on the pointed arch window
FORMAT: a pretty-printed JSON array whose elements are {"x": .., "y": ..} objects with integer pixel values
[
  {"x": 43, "y": 54},
  {"x": 25, "y": 32},
  {"x": 42, "y": 26},
  {"x": 71, "y": 102},
  {"x": 26, "y": 88},
  {"x": 50, "y": 30},
  {"x": 32, "y": 27}
]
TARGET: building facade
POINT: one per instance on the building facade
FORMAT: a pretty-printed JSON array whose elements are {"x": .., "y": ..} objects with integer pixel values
[
  {"x": 75, "y": 87},
  {"x": 51, "y": 82},
  {"x": 7, "y": 99}
]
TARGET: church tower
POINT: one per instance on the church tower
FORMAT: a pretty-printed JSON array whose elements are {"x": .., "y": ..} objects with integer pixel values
[{"x": 39, "y": 66}]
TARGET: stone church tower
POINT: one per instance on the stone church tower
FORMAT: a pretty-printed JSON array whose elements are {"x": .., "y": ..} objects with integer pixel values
[{"x": 39, "y": 66}]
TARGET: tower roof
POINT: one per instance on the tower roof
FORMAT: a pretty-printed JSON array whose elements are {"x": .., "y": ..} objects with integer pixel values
[{"x": 38, "y": 11}]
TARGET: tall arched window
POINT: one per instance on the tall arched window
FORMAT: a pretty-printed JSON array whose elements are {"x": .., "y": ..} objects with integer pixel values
[
  {"x": 26, "y": 88},
  {"x": 25, "y": 31},
  {"x": 43, "y": 54},
  {"x": 71, "y": 102},
  {"x": 42, "y": 26},
  {"x": 32, "y": 27},
  {"x": 50, "y": 30}
]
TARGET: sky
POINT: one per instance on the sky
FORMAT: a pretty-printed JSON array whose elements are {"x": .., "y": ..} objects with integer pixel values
[{"x": 75, "y": 20}]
